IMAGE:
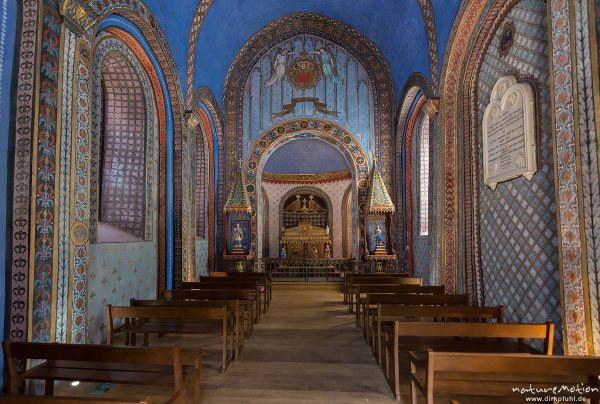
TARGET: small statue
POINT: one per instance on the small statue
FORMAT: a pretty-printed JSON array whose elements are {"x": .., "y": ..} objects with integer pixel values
[
  {"x": 378, "y": 236},
  {"x": 283, "y": 253},
  {"x": 327, "y": 251},
  {"x": 238, "y": 235},
  {"x": 315, "y": 252}
]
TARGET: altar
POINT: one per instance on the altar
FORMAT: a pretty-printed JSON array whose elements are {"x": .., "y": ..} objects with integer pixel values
[{"x": 305, "y": 241}]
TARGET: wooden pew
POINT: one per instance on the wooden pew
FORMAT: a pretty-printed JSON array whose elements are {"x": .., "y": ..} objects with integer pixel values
[
  {"x": 363, "y": 289},
  {"x": 373, "y": 299},
  {"x": 388, "y": 280},
  {"x": 388, "y": 313},
  {"x": 177, "y": 398},
  {"x": 349, "y": 276},
  {"x": 496, "y": 374},
  {"x": 72, "y": 400},
  {"x": 462, "y": 337},
  {"x": 229, "y": 285},
  {"x": 268, "y": 281},
  {"x": 245, "y": 297},
  {"x": 170, "y": 320},
  {"x": 262, "y": 285},
  {"x": 156, "y": 366},
  {"x": 232, "y": 306}
]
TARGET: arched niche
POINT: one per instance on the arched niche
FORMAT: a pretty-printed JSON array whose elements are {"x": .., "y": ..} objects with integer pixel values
[
  {"x": 292, "y": 130},
  {"x": 321, "y": 198}
]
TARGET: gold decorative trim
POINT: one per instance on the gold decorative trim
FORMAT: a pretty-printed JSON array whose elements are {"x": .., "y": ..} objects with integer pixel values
[{"x": 308, "y": 178}]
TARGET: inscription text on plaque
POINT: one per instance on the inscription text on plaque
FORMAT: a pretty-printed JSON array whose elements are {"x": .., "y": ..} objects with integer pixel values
[{"x": 509, "y": 133}]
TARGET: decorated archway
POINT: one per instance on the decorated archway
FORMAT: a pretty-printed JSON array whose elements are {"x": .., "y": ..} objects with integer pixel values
[{"x": 292, "y": 130}]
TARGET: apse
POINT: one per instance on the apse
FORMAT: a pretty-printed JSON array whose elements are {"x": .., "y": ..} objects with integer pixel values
[
  {"x": 306, "y": 156},
  {"x": 306, "y": 187}
]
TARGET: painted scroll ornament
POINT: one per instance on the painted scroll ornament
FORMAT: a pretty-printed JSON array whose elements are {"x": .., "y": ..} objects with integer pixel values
[{"x": 509, "y": 147}]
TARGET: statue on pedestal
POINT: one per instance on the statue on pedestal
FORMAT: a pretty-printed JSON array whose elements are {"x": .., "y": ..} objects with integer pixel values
[
  {"x": 379, "y": 236},
  {"x": 238, "y": 235}
]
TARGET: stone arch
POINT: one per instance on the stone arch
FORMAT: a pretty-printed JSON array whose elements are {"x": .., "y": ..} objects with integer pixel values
[
  {"x": 347, "y": 238},
  {"x": 204, "y": 98},
  {"x": 415, "y": 92},
  {"x": 366, "y": 52},
  {"x": 291, "y": 130},
  {"x": 130, "y": 18},
  {"x": 206, "y": 130},
  {"x": 314, "y": 190},
  {"x": 105, "y": 47}
]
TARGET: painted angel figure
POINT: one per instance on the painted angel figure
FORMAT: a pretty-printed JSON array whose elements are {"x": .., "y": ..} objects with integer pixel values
[
  {"x": 279, "y": 67},
  {"x": 328, "y": 66}
]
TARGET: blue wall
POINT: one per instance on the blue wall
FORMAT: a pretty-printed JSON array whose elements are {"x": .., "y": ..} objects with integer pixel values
[
  {"x": 444, "y": 12},
  {"x": 175, "y": 22},
  {"x": 8, "y": 20},
  {"x": 306, "y": 156},
  {"x": 395, "y": 26}
]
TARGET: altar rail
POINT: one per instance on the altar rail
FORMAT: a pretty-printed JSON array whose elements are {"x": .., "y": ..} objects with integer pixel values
[{"x": 310, "y": 269}]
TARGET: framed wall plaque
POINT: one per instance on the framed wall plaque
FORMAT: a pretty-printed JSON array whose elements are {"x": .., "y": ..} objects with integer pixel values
[{"x": 509, "y": 147}]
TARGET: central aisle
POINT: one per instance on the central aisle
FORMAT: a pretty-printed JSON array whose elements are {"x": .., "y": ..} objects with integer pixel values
[{"x": 305, "y": 349}]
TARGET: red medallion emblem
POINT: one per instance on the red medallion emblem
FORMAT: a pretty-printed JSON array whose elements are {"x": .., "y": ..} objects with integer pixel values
[{"x": 304, "y": 72}]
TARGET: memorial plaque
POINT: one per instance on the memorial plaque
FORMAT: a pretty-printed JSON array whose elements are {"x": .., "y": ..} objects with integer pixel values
[{"x": 509, "y": 133}]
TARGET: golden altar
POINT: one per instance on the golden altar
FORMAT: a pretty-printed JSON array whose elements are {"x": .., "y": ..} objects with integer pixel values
[{"x": 306, "y": 241}]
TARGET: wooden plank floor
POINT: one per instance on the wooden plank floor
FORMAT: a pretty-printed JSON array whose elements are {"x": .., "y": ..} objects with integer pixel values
[{"x": 305, "y": 349}]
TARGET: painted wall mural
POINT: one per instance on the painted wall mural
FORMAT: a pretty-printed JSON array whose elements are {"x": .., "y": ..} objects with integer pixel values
[
  {"x": 330, "y": 31},
  {"x": 307, "y": 75}
]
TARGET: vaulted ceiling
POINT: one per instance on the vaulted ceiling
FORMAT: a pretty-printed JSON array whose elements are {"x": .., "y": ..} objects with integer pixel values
[{"x": 397, "y": 27}]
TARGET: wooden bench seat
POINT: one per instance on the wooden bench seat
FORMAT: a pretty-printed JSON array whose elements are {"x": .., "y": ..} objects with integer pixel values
[
  {"x": 178, "y": 398},
  {"x": 263, "y": 278},
  {"x": 363, "y": 289},
  {"x": 349, "y": 275},
  {"x": 172, "y": 320},
  {"x": 496, "y": 374},
  {"x": 378, "y": 280},
  {"x": 162, "y": 366},
  {"x": 373, "y": 299},
  {"x": 232, "y": 306},
  {"x": 461, "y": 337},
  {"x": 246, "y": 298},
  {"x": 386, "y": 314},
  {"x": 227, "y": 285},
  {"x": 261, "y": 286}
]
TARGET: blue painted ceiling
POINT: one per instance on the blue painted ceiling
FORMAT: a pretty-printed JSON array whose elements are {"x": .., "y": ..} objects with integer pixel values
[
  {"x": 396, "y": 26},
  {"x": 306, "y": 156}
]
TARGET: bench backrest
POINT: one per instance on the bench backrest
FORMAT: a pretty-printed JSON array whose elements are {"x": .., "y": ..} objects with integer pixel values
[
  {"x": 221, "y": 283},
  {"x": 162, "y": 313},
  {"x": 544, "y": 332},
  {"x": 369, "y": 288},
  {"x": 388, "y": 280},
  {"x": 72, "y": 400},
  {"x": 204, "y": 294},
  {"x": 513, "y": 363},
  {"x": 375, "y": 274},
  {"x": 446, "y": 312},
  {"x": 231, "y": 305},
  {"x": 163, "y": 356},
  {"x": 92, "y": 353},
  {"x": 412, "y": 298}
]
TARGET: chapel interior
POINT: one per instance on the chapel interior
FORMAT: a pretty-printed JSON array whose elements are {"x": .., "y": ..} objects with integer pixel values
[{"x": 289, "y": 201}]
